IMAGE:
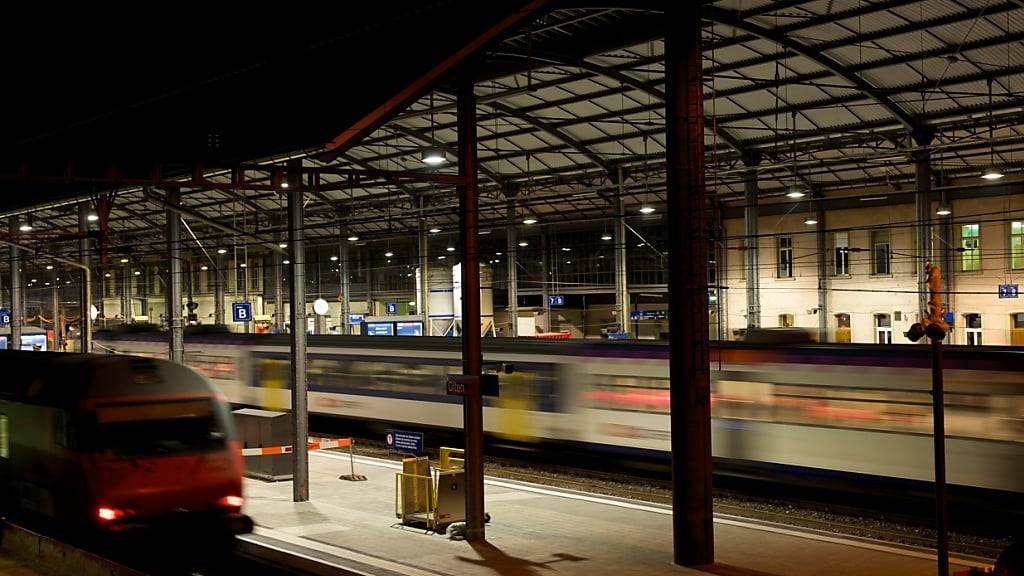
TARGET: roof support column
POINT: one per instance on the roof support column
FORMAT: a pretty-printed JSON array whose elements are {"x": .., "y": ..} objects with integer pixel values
[
  {"x": 750, "y": 250},
  {"x": 219, "y": 279},
  {"x": 923, "y": 212},
  {"x": 177, "y": 342},
  {"x": 423, "y": 274},
  {"x": 822, "y": 247},
  {"x": 545, "y": 285},
  {"x": 319, "y": 320},
  {"x": 85, "y": 308},
  {"x": 690, "y": 382},
  {"x": 278, "y": 282},
  {"x": 511, "y": 246},
  {"x": 472, "y": 356},
  {"x": 127, "y": 310},
  {"x": 343, "y": 284},
  {"x": 300, "y": 418},
  {"x": 17, "y": 290},
  {"x": 55, "y": 304},
  {"x": 622, "y": 303}
]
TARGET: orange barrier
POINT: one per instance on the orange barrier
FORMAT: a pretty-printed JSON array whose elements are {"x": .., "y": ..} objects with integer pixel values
[
  {"x": 553, "y": 335},
  {"x": 313, "y": 444}
]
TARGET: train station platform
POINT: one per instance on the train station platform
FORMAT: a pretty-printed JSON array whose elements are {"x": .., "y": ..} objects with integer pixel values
[{"x": 350, "y": 527}]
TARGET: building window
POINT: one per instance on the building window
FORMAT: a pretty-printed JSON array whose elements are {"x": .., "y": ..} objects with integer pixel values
[
  {"x": 883, "y": 329},
  {"x": 785, "y": 268},
  {"x": 843, "y": 332},
  {"x": 970, "y": 242},
  {"x": 972, "y": 323},
  {"x": 786, "y": 321},
  {"x": 1017, "y": 245},
  {"x": 881, "y": 255},
  {"x": 1018, "y": 320},
  {"x": 841, "y": 254}
]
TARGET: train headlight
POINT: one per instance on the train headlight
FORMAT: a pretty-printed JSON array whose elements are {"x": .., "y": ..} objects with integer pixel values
[{"x": 109, "y": 514}]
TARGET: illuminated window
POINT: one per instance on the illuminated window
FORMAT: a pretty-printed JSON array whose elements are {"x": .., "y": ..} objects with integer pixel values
[
  {"x": 971, "y": 244},
  {"x": 881, "y": 255},
  {"x": 973, "y": 329},
  {"x": 785, "y": 257},
  {"x": 1017, "y": 245},
  {"x": 5, "y": 448},
  {"x": 786, "y": 321},
  {"x": 841, "y": 254},
  {"x": 883, "y": 329}
]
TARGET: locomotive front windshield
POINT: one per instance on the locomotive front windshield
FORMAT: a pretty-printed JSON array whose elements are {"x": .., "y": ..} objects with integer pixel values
[{"x": 159, "y": 428}]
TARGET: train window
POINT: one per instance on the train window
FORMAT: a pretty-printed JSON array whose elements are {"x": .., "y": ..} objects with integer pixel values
[
  {"x": 629, "y": 394},
  {"x": 4, "y": 438},
  {"x": 159, "y": 428}
]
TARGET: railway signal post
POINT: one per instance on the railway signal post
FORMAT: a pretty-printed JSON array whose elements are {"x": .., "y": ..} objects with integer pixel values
[{"x": 934, "y": 326}]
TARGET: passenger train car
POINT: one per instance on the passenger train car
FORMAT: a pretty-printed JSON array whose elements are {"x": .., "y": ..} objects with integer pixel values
[
  {"x": 101, "y": 444},
  {"x": 859, "y": 409}
]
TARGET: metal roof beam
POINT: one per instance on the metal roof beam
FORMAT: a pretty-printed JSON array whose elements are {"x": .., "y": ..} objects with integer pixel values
[{"x": 814, "y": 54}]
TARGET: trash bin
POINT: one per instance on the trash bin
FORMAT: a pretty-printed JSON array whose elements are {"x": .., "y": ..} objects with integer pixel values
[{"x": 265, "y": 429}]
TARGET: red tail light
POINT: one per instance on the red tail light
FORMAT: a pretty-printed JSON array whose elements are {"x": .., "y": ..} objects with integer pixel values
[
  {"x": 231, "y": 501},
  {"x": 109, "y": 514}
]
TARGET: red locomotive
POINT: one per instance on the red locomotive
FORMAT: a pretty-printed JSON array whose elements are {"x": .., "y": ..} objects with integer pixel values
[{"x": 107, "y": 443}]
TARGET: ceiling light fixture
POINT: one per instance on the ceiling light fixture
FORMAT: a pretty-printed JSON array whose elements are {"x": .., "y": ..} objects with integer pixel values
[
  {"x": 530, "y": 219},
  {"x": 286, "y": 261},
  {"x": 26, "y": 226},
  {"x": 810, "y": 220},
  {"x": 433, "y": 156},
  {"x": 944, "y": 210},
  {"x": 284, "y": 184},
  {"x": 49, "y": 266},
  {"x": 334, "y": 258},
  {"x": 282, "y": 245},
  {"x": 222, "y": 250},
  {"x": 435, "y": 230},
  {"x": 92, "y": 217},
  {"x": 243, "y": 265},
  {"x": 796, "y": 192},
  {"x": 389, "y": 254},
  {"x": 450, "y": 248},
  {"x": 138, "y": 273},
  {"x": 606, "y": 236},
  {"x": 441, "y": 257},
  {"x": 204, "y": 268},
  {"x": 353, "y": 238},
  {"x": 124, "y": 260},
  {"x": 992, "y": 173},
  {"x": 523, "y": 243},
  {"x": 646, "y": 209}
]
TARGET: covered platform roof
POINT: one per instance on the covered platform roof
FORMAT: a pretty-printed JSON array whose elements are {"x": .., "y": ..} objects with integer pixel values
[{"x": 833, "y": 96}]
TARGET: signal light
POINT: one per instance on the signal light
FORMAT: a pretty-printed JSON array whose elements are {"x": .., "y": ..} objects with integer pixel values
[{"x": 231, "y": 501}]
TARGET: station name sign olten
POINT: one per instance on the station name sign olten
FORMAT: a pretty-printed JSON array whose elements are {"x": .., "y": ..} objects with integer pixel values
[{"x": 465, "y": 385}]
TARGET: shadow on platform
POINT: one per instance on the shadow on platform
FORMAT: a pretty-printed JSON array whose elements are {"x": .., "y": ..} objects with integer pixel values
[{"x": 497, "y": 560}]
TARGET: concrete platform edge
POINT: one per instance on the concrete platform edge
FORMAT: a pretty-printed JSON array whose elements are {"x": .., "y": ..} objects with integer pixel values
[{"x": 56, "y": 557}]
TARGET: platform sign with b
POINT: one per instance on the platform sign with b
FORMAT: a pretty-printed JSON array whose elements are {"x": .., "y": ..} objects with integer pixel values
[{"x": 241, "y": 311}]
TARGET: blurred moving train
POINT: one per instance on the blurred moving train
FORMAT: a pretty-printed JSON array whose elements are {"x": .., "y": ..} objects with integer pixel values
[
  {"x": 861, "y": 409},
  {"x": 100, "y": 444}
]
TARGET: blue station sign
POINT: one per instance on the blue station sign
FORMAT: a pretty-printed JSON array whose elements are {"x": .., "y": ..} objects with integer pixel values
[
  {"x": 401, "y": 441},
  {"x": 1008, "y": 290},
  {"x": 241, "y": 311}
]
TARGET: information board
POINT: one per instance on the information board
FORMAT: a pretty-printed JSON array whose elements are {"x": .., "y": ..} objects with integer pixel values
[
  {"x": 556, "y": 300},
  {"x": 414, "y": 328},
  {"x": 380, "y": 329},
  {"x": 1008, "y": 291},
  {"x": 402, "y": 441}
]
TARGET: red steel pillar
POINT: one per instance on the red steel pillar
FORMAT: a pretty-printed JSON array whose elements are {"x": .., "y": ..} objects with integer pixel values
[
  {"x": 472, "y": 357},
  {"x": 690, "y": 384}
]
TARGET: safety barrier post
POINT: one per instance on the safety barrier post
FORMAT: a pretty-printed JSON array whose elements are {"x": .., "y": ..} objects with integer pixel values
[{"x": 352, "y": 477}]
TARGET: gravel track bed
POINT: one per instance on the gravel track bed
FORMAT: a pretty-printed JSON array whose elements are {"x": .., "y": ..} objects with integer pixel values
[{"x": 834, "y": 520}]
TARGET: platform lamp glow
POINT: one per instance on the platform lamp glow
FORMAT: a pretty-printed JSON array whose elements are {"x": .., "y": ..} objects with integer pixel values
[{"x": 320, "y": 306}]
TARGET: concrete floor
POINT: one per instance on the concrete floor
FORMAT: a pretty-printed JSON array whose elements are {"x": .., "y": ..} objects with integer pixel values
[{"x": 536, "y": 530}]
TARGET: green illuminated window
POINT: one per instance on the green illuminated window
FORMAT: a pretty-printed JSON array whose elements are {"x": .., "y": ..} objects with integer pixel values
[
  {"x": 1017, "y": 245},
  {"x": 971, "y": 244},
  {"x": 4, "y": 438}
]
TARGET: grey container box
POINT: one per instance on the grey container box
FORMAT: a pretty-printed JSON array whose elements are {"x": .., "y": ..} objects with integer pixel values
[{"x": 265, "y": 429}]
